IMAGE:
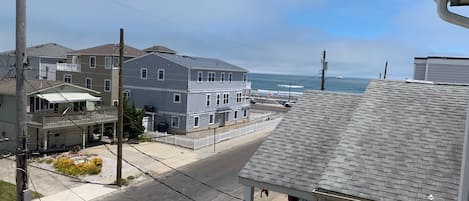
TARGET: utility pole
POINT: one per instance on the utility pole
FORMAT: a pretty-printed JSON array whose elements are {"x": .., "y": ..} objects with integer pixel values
[
  {"x": 214, "y": 139},
  {"x": 385, "y": 70},
  {"x": 289, "y": 92},
  {"x": 379, "y": 75},
  {"x": 324, "y": 67},
  {"x": 121, "y": 110},
  {"x": 22, "y": 192}
]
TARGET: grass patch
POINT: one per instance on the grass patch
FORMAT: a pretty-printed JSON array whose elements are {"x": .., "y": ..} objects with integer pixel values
[{"x": 8, "y": 192}]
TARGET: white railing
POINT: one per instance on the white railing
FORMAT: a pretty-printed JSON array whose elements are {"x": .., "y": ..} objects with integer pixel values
[
  {"x": 259, "y": 116},
  {"x": 217, "y": 85},
  {"x": 68, "y": 67},
  {"x": 207, "y": 141}
]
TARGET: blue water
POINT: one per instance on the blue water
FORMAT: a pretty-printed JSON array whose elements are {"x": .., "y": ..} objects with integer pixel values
[{"x": 271, "y": 82}]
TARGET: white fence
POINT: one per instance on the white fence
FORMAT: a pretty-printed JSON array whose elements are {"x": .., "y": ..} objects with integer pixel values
[
  {"x": 259, "y": 116},
  {"x": 207, "y": 141}
]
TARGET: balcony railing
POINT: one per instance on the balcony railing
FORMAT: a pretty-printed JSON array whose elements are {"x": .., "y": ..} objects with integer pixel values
[
  {"x": 49, "y": 120},
  {"x": 195, "y": 86},
  {"x": 68, "y": 67}
]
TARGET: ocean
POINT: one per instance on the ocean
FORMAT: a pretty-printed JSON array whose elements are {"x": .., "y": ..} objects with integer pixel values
[{"x": 269, "y": 83}]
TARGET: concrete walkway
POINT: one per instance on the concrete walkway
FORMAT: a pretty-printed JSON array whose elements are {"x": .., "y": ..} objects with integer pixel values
[{"x": 173, "y": 156}]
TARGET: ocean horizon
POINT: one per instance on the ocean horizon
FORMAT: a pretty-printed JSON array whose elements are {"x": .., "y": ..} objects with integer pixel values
[{"x": 279, "y": 83}]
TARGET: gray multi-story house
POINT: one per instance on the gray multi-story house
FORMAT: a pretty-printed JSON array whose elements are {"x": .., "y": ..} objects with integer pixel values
[
  {"x": 188, "y": 93},
  {"x": 96, "y": 68},
  {"x": 42, "y": 60}
]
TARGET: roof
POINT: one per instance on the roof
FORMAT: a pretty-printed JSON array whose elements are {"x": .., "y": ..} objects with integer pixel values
[
  {"x": 68, "y": 97},
  {"x": 109, "y": 50},
  {"x": 8, "y": 86},
  {"x": 399, "y": 141},
  {"x": 196, "y": 63},
  {"x": 160, "y": 49},
  {"x": 44, "y": 50},
  {"x": 442, "y": 57}
]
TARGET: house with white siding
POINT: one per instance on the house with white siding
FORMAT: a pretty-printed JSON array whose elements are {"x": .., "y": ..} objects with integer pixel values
[{"x": 442, "y": 69}]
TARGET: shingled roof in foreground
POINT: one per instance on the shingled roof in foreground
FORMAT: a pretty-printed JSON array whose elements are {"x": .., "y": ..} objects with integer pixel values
[{"x": 398, "y": 141}]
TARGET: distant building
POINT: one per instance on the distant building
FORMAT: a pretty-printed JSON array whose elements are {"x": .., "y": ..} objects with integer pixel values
[
  {"x": 42, "y": 60},
  {"x": 397, "y": 141},
  {"x": 159, "y": 49},
  {"x": 59, "y": 115},
  {"x": 442, "y": 69},
  {"x": 188, "y": 93},
  {"x": 96, "y": 68}
]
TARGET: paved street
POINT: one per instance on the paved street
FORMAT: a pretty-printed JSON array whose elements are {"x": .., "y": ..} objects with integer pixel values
[{"x": 219, "y": 171}]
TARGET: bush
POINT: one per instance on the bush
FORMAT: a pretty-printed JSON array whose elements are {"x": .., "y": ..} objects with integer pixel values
[{"x": 68, "y": 166}]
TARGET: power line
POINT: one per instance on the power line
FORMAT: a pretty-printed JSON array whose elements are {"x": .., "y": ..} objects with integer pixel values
[
  {"x": 150, "y": 175},
  {"x": 185, "y": 174}
]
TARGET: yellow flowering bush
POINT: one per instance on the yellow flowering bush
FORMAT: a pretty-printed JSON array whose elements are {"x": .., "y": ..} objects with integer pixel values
[{"x": 68, "y": 166}]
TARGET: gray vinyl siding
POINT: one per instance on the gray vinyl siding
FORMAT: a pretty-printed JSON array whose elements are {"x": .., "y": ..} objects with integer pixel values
[
  {"x": 7, "y": 62},
  {"x": 161, "y": 100},
  {"x": 419, "y": 71},
  {"x": 448, "y": 73},
  {"x": 237, "y": 76},
  {"x": 7, "y": 123},
  {"x": 197, "y": 101}
]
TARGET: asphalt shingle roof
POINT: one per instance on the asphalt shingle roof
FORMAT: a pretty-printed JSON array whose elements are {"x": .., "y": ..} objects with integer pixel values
[
  {"x": 399, "y": 141},
  {"x": 109, "y": 50},
  {"x": 44, "y": 50},
  {"x": 201, "y": 63},
  {"x": 159, "y": 48},
  {"x": 8, "y": 86}
]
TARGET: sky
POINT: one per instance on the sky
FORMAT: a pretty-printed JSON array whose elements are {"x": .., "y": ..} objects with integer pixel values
[{"x": 264, "y": 36}]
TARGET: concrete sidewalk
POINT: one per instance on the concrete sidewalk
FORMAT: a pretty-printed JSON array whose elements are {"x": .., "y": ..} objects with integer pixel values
[{"x": 173, "y": 156}]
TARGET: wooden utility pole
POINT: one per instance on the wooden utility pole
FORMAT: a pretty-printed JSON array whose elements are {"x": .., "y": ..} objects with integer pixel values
[
  {"x": 22, "y": 192},
  {"x": 385, "y": 70},
  {"x": 324, "y": 66},
  {"x": 121, "y": 110}
]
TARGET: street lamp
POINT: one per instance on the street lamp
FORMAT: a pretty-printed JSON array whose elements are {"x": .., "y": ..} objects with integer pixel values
[{"x": 453, "y": 18}]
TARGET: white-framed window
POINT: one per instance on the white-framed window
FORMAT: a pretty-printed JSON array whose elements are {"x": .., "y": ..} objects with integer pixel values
[
  {"x": 211, "y": 119},
  {"x": 245, "y": 77},
  {"x": 115, "y": 103},
  {"x": 239, "y": 97},
  {"x": 88, "y": 82},
  {"x": 211, "y": 77},
  {"x": 68, "y": 78},
  {"x": 107, "y": 85},
  {"x": 176, "y": 98},
  {"x": 222, "y": 76},
  {"x": 107, "y": 62},
  {"x": 75, "y": 59},
  {"x": 174, "y": 122},
  {"x": 127, "y": 93},
  {"x": 196, "y": 121},
  {"x": 115, "y": 61},
  {"x": 218, "y": 99},
  {"x": 235, "y": 114},
  {"x": 143, "y": 73},
  {"x": 200, "y": 76},
  {"x": 161, "y": 74},
  {"x": 245, "y": 114},
  {"x": 208, "y": 100},
  {"x": 230, "y": 77},
  {"x": 226, "y": 97},
  {"x": 92, "y": 61}
]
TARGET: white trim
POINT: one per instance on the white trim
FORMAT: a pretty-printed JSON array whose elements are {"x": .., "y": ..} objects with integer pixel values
[
  {"x": 158, "y": 74},
  {"x": 110, "y": 85},
  {"x": 240, "y": 97},
  {"x": 214, "y": 76},
  {"x": 230, "y": 77},
  {"x": 213, "y": 118},
  {"x": 105, "y": 63},
  {"x": 174, "y": 97},
  {"x": 218, "y": 99},
  {"x": 178, "y": 120},
  {"x": 141, "y": 73},
  {"x": 91, "y": 82},
  {"x": 198, "y": 122},
  {"x": 155, "y": 89},
  {"x": 227, "y": 98},
  {"x": 245, "y": 77},
  {"x": 200, "y": 78},
  {"x": 89, "y": 62},
  {"x": 235, "y": 114},
  {"x": 222, "y": 75},
  {"x": 70, "y": 75},
  {"x": 208, "y": 100},
  {"x": 426, "y": 71}
]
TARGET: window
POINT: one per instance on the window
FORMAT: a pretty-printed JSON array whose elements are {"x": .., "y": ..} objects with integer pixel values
[
  {"x": 107, "y": 62},
  {"x": 196, "y": 121},
  {"x": 143, "y": 73},
  {"x": 88, "y": 82},
  {"x": 236, "y": 114},
  {"x": 210, "y": 119},
  {"x": 67, "y": 78},
  {"x": 211, "y": 77},
  {"x": 218, "y": 99},
  {"x": 208, "y": 100},
  {"x": 245, "y": 77},
  {"x": 230, "y": 77},
  {"x": 245, "y": 113},
  {"x": 75, "y": 59},
  {"x": 222, "y": 77},
  {"x": 127, "y": 93},
  {"x": 200, "y": 76},
  {"x": 115, "y": 61},
  {"x": 177, "y": 98},
  {"x": 226, "y": 97},
  {"x": 239, "y": 97},
  {"x": 92, "y": 61},
  {"x": 160, "y": 74},
  {"x": 115, "y": 103},
  {"x": 174, "y": 122},
  {"x": 107, "y": 85}
]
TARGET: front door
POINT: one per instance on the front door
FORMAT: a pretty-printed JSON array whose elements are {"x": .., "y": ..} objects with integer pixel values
[{"x": 222, "y": 119}]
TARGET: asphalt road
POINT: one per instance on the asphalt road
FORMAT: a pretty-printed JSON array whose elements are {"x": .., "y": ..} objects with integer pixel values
[{"x": 219, "y": 171}]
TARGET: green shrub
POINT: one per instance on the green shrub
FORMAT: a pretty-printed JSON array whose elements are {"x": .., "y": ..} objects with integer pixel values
[{"x": 68, "y": 166}]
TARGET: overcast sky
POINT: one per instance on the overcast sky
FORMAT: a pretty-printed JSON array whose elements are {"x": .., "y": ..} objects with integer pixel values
[{"x": 261, "y": 35}]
